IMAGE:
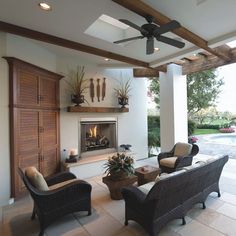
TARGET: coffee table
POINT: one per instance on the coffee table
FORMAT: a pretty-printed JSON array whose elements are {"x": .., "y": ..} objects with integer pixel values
[{"x": 146, "y": 174}]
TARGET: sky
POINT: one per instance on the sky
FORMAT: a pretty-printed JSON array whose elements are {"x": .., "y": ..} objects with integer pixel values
[{"x": 227, "y": 98}]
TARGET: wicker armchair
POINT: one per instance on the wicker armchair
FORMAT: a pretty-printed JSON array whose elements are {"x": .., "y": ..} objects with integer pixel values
[
  {"x": 74, "y": 195},
  {"x": 180, "y": 156}
]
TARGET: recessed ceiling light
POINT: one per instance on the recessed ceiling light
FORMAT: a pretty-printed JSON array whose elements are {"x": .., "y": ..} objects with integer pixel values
[
  {"x": 45, "y": 6},
  {"x": 156, "y": 49},
  {"x": 107, "y": 59}
]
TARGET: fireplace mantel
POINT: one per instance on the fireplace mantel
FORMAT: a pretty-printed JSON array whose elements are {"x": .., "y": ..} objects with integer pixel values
[{"x": 97, "y": 109}]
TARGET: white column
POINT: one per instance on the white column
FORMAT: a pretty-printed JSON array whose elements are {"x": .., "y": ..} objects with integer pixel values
[{"x": 173, "y": 107}]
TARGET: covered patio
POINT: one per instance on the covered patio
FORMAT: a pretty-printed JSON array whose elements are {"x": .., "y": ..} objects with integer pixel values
[
  {"x": 107, "y": 217},
  {"x": 70, "y": 33}
]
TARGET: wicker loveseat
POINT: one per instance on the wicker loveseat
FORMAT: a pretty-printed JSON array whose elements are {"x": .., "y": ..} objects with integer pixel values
[{"x": 171, "y": 197}]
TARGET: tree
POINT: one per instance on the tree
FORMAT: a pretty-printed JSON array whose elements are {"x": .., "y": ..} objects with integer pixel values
[{"x": 203, "y": 89}]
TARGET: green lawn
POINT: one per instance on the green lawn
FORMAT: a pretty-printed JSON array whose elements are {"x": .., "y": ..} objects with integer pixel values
[{"x": 206, "y": 131}]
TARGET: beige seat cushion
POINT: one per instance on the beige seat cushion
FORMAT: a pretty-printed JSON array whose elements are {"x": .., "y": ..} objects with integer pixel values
[
  {"x": 182, "y": 149},
  {"x": 55, "y": 186},
  {"x": 166, "y": 176},
  {"x": 168, "y": 162},
  {"x": 36, "y": 178},
  {"x": 145, "y": 188},
  {"x": 194, "y": 165}
]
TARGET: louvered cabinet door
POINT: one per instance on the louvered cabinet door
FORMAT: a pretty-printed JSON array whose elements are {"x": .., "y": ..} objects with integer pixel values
[
  {"x": 27, "y": 86},
  {"x": 49, "y": 92},
  {"x": 50, "y": 142},
  {"x": 34, "y": 124},
  {"x": 27, "y": 147}
]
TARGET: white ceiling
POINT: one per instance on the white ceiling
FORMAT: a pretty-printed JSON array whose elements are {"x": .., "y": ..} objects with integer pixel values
[{"x": 213, "y": 20}]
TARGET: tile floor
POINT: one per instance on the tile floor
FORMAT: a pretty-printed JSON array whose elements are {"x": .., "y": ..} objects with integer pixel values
[{"x": 219, "y": 218}]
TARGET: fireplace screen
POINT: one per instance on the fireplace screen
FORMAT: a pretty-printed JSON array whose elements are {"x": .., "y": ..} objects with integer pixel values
[{"x": 98, "y": 135}]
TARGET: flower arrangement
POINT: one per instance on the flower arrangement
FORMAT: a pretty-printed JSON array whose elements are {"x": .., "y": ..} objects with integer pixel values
[
  {"x": 119, "y": 166},
  {"x": 226, "y": 130},
  {"x": 192, "y": 139}
]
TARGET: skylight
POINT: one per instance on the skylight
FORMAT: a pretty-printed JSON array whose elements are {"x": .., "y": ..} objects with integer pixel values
[
  {"x": 112, "y": 21},
  {"x": 110, "y": 29},
  {"x": 232, "y": 44}
]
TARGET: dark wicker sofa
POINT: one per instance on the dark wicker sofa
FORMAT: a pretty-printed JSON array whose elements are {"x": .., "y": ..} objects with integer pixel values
[{"x": 172, "y": 197}]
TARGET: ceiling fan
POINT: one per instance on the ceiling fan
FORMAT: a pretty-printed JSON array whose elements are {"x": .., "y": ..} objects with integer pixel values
[{"x": 151, "y": 31}]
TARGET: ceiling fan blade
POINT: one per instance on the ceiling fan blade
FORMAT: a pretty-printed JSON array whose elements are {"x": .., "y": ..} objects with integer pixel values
[
  {"x": 150, "y": 46},
  {"x": 170, "y": 41},
  {"x": 131, "y": 24},
  {"x": 129, "y": 39},
  {"x": 167, "y": 27}
]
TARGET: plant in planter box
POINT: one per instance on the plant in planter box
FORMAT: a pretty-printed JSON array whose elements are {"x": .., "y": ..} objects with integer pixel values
[
  {"x": 123, "y": 92},
  {"x": 77, "y": 84},
  {"x": 119, "y": 166}
]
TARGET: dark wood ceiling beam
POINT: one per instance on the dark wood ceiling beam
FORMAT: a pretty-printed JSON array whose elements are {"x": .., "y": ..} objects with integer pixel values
[
  {"x": 144, "y": 9},
  {"x": 206, "y": 63},
  {"x": 145, "y": 72},
  {"x": 47, "y": 38}
]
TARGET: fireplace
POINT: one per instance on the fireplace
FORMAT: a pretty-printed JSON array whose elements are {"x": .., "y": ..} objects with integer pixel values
[{"x": 97, "y": 136}]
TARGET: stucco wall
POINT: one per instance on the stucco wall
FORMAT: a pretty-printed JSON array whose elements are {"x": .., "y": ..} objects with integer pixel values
[{"x": 132, "y": 125}]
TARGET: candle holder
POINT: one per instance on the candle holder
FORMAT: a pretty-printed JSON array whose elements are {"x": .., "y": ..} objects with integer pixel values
[{"x": 72, "y": 159}]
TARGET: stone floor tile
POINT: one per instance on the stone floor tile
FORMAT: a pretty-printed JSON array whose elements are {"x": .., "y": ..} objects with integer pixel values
[
  {"x": 229, "y": 198},
  {"x": 213, "y": 202},
  {"x": 166, "y": 231},
  {"x": 206, "y": 216},
  {"x": 83, "y": 218},
  {"x": 195, "y": 228},
  {"x": 225, "y": 225},
  {"x": 176, "y": 225},
  {"x": 62, "y": 226},
  {"x": 76, "y": 232},
  {"x": 116, "y": 208},
  {"x": 21, "y": 225},
  {"x": 228, "y": 210},
  {"x": 103, "y": 225}
]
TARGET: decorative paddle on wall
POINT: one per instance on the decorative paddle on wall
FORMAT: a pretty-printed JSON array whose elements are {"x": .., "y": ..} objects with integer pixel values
[
  {"x": 151, "y": 31},
  {"x": 91, "y": 87},
  {"x": 98, "y": 90},
  {"x": 103, "y": 88}
]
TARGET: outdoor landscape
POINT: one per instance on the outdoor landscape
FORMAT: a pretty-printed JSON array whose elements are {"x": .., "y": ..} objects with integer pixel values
[{"x": 211, "y": 111}]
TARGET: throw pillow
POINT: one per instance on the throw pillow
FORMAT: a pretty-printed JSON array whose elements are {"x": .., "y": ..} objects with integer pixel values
[
  {"x": 182, "y": 149},
  {"x": 36, "y": 178}
]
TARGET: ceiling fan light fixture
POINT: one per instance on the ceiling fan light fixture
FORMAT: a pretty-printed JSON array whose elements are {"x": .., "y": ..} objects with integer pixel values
[
  {"x": 152, "y": 31},
  {"x": 45, "y": 6}
]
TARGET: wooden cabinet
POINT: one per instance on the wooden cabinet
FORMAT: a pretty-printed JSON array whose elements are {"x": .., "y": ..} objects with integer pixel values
[
  {"x": 33, "y": 87},
  {"x": 34, "y": 120}
]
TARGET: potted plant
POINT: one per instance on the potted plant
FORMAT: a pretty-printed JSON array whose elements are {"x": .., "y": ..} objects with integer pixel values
[
  {"x": 119, "y": 166},
  {"x": 123, "y": 92},
  {"x": 77, "y": 84}
]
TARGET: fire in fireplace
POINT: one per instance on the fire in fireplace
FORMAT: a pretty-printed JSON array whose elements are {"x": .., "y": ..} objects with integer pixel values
[
  {"x": 98, "y": 135},
  {"x": 95, "y": 138}
]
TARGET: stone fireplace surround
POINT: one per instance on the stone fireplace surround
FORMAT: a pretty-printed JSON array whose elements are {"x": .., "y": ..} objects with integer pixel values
[{"x": 91, "y": 163}]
